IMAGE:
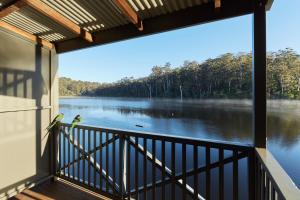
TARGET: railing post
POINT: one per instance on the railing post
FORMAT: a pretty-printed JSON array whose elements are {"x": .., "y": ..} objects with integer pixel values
[{"x": 54, "y": 150}]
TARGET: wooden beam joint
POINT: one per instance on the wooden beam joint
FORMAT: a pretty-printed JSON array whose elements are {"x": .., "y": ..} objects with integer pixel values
[
  {"x": 131, "y": 15},
  {"x": 11, "y": 8},
  {"x": 26, "y": 35},
  {"x": 217, "y": 5}
]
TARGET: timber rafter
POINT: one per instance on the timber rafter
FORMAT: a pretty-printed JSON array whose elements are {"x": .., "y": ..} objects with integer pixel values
[{"x": 131, "y": 15}]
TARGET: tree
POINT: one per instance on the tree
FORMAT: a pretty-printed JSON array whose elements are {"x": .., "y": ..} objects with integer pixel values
[{"x": 227, "y": 76}]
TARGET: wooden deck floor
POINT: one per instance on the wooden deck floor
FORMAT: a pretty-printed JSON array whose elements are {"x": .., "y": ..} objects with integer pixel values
[{"x": 58, "y": 190}]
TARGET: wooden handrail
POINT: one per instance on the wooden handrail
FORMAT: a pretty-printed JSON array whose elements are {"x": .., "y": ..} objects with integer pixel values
[
  {"x": 280, "y": 180},
  {"x": 166, "y": 137}
]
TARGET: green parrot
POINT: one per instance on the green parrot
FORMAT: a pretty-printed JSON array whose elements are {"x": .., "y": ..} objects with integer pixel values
[
  {"x": 76, "y": 121},
  {"x": 58, "y": 118}
]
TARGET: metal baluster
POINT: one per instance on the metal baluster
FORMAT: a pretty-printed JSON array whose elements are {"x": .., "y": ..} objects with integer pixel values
[
  {"x": 163, "y": 170},
  {"x": 235, "y": 175},
  {"x": 267, "y": 188},
  {"x": 272, "y": 192},
  {"x": 59, "y": 137},
  {"x": 196, "y": 174},
  {"x": 89, "y": 158},
  {"x": 263, "y": 189},
  {"x": 73, "y": 154},
  {"x": 101, "y": 162},
  {"x": 78, "y": 154},
  {"x": 257, "y": 178},
  {"x": 251, "y": 175},
  {"x": 95, "y": 153},
  {"x": 153, "y": 168},
  {"x": 121, "y": 164},
  {"x": 207, "y": 163},
  {"x": 128, "y": 171},
  {"x": 173, "y": 170},
  {"x": 183, "y": 171},
  {"x": 106, "y": 162},
  {"x": 136, "y": 174},
  {"x": 83, "y": 164},
  {"x": 64, "y": 151},
  {"x": 145, "y": 168},
  {"x": 221, "y": 174},
  {"x": 69, "y": 152},
  {"x": 114, "y": 163}
]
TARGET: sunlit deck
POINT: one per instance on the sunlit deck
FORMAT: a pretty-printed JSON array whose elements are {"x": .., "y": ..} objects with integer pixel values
[{"x": 59, "y": 189}]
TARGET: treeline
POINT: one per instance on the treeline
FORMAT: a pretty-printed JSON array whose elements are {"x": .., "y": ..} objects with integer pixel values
[
  {"x": 69, "y": 87},
  {"x": 228, "y": 76}
]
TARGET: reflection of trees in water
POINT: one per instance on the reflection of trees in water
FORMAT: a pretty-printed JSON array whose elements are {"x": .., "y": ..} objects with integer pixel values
[
  {"x": 228, "y": 122},
  {"x": 283, "y": 129}
]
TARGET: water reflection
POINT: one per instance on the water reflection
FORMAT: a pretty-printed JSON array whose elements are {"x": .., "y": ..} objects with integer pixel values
[
  {"x": 230, "y": 122},
  {"x": 221, "y": 120}
]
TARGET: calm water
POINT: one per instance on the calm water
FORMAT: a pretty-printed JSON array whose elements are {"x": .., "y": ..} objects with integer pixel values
[{"x": 220, "y": 120}]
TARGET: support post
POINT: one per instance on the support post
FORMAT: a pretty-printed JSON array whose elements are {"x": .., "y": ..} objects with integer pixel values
[
  {"x": 54, "y": 148},
  {"x": 259, "y": 74}
]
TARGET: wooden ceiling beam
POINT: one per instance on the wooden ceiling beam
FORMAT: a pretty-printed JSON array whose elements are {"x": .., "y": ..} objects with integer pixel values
[
  {"x": 26, "y": 35},
  {"x": 217, "y": 4},
  {"x": 11, "y": 8},
  {"x": 59, "y": 18},
  {"x": 183, "y": 18},
  {"x": 131, "y": 15}
]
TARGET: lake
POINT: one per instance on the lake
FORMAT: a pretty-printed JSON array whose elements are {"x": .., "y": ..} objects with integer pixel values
[{"x": 227, "y": 120}]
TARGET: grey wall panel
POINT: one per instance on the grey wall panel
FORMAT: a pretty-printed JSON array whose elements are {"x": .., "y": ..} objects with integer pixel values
[
  {"x": 54, "y": 95},
  {"x": 28, "y": 92}
]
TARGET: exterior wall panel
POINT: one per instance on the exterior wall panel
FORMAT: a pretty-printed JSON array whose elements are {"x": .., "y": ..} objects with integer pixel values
[{"x": 28, "y": 88}]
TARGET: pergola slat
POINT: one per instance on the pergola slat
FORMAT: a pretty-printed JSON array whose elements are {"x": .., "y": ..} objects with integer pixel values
[
  {"x": 59, "y": 18},
  {"x": 26, "y": 35}
]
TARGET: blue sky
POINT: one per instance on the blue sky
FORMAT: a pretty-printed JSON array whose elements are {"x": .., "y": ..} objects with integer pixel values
[{"x": 136, "y": 57}]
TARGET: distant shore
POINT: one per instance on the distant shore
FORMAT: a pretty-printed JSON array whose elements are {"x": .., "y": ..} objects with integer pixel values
[{"x": 270, "y": 102}]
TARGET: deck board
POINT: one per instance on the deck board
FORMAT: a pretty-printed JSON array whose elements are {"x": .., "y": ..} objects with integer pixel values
[{"x": 58, "y": 190}]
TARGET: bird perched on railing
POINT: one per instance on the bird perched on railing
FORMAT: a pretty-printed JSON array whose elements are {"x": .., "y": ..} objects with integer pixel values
[
  {"x": 57, "y": 119},
  {"x": 76, "y": 121}
]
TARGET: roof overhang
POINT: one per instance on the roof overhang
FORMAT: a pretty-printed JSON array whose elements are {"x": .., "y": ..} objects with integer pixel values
[{"x": 69, "y": 24}]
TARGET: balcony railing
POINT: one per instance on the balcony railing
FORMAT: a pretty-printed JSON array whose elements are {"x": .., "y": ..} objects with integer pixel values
[
  {"x": 125, "y": 164},
  {"x": 272, "y": 182}
]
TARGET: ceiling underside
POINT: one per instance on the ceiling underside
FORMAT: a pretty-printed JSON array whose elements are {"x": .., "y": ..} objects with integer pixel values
[{"x": 107, "y": 23}]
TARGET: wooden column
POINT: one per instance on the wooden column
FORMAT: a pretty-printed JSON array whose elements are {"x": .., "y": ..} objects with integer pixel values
[{"x": 259, "y": 74}]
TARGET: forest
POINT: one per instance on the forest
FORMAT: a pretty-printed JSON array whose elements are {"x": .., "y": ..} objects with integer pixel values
[{"x": 227, "y": 76}]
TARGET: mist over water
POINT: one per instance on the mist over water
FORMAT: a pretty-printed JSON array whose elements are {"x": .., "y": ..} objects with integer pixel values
[{"x": 227, "y": 120}]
